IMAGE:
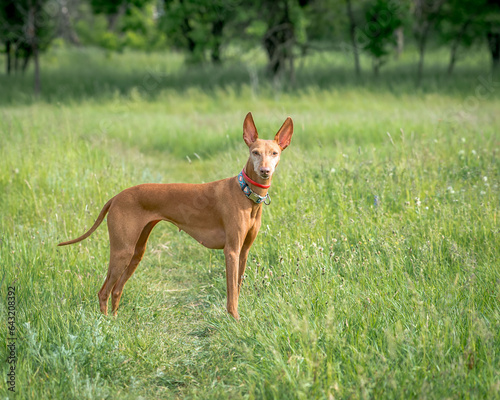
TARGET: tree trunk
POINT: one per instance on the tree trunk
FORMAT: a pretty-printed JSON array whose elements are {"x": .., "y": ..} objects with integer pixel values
[
  {"x": 426, "y": 13},
  {"x": 113, "y": 18},
  {"x": 376, "y": 67},
  {"x": 9, "y": 58},
  {"x": 273, "y": 53},
  {"x": 278, "y": 42},
  {"x": 421, "y": 55},
  {"x": 400, "y": 41},
  {"x": 494, "y": 45},
  {"x": 352, "y": 33},
  {"x": 33, "y": 42},
  {"x": 16, "y": 59},
  {"x": 453, "y": 57},
  {"x": 456, "y": 44},
  {"x": 66, "y": 29},
  {"x": 186, "y": 31},
  {"x": 217, "y": 30},
  {"x": 37, "y": 70},
  {"x": 28, "y": 51}
]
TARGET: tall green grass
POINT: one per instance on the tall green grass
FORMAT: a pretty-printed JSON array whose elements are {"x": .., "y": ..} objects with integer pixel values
[{"x": 375, "y": 274}]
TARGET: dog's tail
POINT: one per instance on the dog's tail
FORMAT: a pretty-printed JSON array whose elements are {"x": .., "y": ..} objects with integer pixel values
[{"x": 97, "y": 222}]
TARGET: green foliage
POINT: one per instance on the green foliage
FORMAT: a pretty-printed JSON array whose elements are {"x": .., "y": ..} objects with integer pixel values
[
  {"x": 199, "y": 26},
  {"x": 382, "y": 20},
  {"x": 330, "y": 21},
  {"x": 346, "y": 295},
  {"x": 286, "y": 29},
  {"x": 467, "y": 22},
  {"x": 15, "y": 22},
  {"x": 135, "y": 29}
]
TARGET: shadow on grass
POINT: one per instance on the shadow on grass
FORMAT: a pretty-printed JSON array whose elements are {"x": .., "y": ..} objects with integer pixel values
[{"x": 74, "y": 75}]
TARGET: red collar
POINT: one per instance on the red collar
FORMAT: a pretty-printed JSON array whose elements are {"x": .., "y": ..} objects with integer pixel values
[{"x": 253, "y": 182}]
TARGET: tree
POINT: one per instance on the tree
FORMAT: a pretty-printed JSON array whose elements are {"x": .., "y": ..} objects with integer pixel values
[
  {"x": 279, "y": 36},
  {"x": 114, "y": 25},
  {"x": 352, "y": 35},
  {"x": 27, "y": 29},
  {"x": 382, "y": 20},
  {"x": 280, "y": 27},
  {"x": 493, "y": 31},
  {"x": 425, "y": 17},
  {"x": 199, "y": 26},
  {"x": 371, "y": 27},
  {"x": 113, "y": 10},
  {"x": 462, "y": 24},
  {"x": 11, "y": 29}
]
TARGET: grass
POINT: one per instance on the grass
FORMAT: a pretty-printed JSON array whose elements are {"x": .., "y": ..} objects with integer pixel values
[{"x": 375, "y": 274}]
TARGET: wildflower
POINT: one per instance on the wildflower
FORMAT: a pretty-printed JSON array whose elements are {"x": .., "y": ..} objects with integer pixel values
[
  {"x": 485, "y": 179},
  {"x": 473, "y": 152},
  {"x": 376, "y": 201},
  {"x": 334, "y": 240},
  {"x": 417, "y": 202},
  {"x": 450, "y": 189}
]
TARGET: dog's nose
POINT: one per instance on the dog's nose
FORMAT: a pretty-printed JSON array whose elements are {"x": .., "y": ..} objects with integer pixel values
[{"x": 265, "y": 170}]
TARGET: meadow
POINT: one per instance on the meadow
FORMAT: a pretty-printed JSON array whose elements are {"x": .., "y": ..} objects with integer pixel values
[{"x": 376, "y": 270}]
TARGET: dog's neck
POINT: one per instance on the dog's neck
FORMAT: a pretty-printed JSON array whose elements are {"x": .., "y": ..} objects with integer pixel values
[{"x": 255, "y": 177}]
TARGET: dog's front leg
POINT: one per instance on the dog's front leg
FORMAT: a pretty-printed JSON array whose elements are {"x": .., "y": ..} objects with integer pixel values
[
  {"x": 232, "y": 255},
  {"x": 252, "y": 234}
]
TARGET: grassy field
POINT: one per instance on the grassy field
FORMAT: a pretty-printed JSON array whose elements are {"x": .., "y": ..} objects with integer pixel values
[{"x": 375, "y": 274}]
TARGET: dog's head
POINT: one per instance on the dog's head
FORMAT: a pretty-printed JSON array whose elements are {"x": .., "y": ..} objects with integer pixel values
[{"x": 265, "y": 154}]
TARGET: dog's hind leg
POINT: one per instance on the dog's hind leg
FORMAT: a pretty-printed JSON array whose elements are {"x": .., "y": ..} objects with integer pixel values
[
  {"x": 123, "y": 236},
  {"x": 140, "y": 248},
  {"x": 118, "y": 261}
]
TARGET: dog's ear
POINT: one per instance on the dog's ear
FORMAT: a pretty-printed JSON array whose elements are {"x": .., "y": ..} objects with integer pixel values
[
  {"x": 249, "y": 130},
  {"x": 284, "y": 135}
]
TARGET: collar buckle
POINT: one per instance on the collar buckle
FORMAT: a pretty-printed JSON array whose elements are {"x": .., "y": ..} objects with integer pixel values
[{"x": 255, "y": 197}]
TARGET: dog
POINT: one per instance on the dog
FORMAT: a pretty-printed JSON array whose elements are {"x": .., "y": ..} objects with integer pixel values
[{"x": 224, "y": 214}]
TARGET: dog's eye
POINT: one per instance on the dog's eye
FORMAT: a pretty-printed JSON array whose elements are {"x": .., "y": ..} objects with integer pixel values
[
  {"x": 275, "y": 153},
  {"x": 255, "y": 153}
]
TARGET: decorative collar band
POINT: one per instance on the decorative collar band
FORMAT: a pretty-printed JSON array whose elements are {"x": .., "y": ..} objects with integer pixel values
[{"x": 256, "y": 198}]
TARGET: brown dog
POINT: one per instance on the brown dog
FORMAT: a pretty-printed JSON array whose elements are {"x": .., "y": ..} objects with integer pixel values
[{"x": 225, "y": 214}]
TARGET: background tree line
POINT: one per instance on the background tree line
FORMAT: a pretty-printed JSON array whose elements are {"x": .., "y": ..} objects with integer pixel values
[{"x": 286, "y": 29}]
